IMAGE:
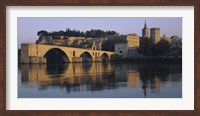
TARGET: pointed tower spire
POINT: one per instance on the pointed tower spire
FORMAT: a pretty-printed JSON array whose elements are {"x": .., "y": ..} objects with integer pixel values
[
  {"x": 145, "y": 25},
  {"x": 145, "y": 31}
]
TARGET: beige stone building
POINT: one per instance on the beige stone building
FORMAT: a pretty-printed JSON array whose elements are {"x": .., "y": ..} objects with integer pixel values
[
  {"x": 116, "y": 37},
  {"x": 155, "y": 34},
  {"x": 133, "y": 40},
  {"x": 129, "y": 47},
  {"x": 58, "y": 40}
]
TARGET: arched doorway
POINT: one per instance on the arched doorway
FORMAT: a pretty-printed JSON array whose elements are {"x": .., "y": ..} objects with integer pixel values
[
  {"x": 105, "y": 57},
  {"x": 55, "y": 56},
  {"x": 86, "y": 57}
]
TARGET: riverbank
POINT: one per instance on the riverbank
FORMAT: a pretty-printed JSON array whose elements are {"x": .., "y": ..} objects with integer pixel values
[{"x": 150, "y": 59}]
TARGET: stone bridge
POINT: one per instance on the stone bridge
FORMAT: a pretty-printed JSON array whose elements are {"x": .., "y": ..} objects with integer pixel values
[{"x": 37, "y": 53}]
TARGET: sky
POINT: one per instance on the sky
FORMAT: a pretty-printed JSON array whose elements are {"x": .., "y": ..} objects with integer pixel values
[{"x": 28, "y": 27}]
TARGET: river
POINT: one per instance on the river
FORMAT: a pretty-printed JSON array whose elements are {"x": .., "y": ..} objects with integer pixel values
[{"x": 100, "y": 80}]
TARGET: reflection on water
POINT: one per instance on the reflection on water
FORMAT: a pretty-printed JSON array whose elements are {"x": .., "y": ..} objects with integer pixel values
[{"x": 100, "y": 80}]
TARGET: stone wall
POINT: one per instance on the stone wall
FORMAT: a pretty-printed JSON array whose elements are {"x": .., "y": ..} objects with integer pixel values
[
  {"x": 76, "y": 59},
  {"x": 155, "y": 34},
  {"x": 98, "y": 59},
  {"x": 24, "y": 54},
  {"x": 29, "y": 54},
  {"x": 35, "y": 53},
  {"x": 34, "y": 59},
  {"x": 133, "y": 41}
]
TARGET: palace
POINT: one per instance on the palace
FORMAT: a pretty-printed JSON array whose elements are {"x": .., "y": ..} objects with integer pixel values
[
  {"x": 155, "y": 34},
  {"x": 145, "y": 31}
]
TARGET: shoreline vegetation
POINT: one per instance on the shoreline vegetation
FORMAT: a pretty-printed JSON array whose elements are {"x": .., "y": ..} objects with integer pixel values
[{"x": 149, "y": 59}]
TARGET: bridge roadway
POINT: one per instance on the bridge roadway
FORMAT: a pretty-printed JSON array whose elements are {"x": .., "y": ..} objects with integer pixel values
[{"x": 37, "y": 53}]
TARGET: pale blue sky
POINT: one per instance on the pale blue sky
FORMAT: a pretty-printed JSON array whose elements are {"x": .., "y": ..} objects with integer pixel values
[{"x": 28, "y": 27}]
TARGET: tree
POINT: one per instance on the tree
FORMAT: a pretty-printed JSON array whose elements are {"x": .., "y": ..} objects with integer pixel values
[
  {"x": 68, "y": 32},
  {"x": 163, "y": 47},
  {"x": 42, "y": 33},
  {"x": 109, "y": 45},
  {"x": 146, "y": 47},
  {"x": 61, "y": 33}
]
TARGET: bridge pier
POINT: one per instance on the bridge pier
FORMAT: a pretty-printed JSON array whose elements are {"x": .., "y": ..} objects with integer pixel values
[
  {"x": 34, "y": 59},
  {"x": 76, "y": 59},
  {"x": 27, "y": 57},
  {"x": 97, "y": 59}
]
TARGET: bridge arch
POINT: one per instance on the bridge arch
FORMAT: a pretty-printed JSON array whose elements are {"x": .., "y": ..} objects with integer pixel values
[
  {"x": 105, "y": 57},
  {"x": 86, "y": 57},
  {"x": 56, "y": 55}
]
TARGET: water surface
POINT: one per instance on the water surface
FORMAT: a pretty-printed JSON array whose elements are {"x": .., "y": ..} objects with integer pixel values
[{"x": 100, "y": 80}]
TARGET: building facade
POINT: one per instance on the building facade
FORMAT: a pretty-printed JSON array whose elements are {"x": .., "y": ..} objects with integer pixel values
[
  {"x": 122, "y": 48},
  {"x": 155, "y": 34},
  {"x": 133, "y": 40},
  {"x": 145, "y": 31},
  {"x": 96, "y": 45},
  {"x": 128, "y": 49}
]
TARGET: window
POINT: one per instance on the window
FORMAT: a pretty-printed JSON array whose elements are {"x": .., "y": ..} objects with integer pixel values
[{"x": 73, "y": 53}]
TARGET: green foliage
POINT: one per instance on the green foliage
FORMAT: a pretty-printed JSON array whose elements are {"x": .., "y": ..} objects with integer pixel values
[
  {"x": 148, "y": 48},
  {"x": 77, "y": 33},
  {"x": 116, "y": 57},
  {"x": 42, "y": 33},
  {"x": 109, "y": 45},
  {"x": 163, "y": 47},
  {"x": 99, "y": 33}
]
